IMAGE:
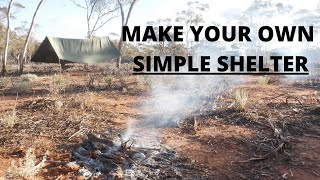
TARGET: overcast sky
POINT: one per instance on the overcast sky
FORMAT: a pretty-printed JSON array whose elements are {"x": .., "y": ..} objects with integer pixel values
[{"x": 62, "y": 18}]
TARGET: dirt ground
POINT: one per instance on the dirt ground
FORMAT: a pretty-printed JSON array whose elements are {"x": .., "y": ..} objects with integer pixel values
[{"x": 277, "y": 136}]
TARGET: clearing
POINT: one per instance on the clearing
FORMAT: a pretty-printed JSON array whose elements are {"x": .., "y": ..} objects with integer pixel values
[{"x": 268, "y": 131}]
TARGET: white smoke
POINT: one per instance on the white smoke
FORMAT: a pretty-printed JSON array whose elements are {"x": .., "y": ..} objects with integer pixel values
[{"x": 175, "y": 98}]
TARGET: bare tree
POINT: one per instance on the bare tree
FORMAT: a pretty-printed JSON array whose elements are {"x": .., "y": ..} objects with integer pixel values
[
  {"x": 124, "y": 21},
  {"x": 23, "y": 59},
  {"x": 5, "y": 58},
  {"x": 99, "y": 12}
]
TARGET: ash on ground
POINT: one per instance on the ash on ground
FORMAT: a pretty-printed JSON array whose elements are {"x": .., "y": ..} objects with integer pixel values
[{"x": 105, "y": 158}]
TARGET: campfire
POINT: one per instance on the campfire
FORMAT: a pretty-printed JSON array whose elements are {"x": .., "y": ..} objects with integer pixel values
[{"x": 103, "y": 157}]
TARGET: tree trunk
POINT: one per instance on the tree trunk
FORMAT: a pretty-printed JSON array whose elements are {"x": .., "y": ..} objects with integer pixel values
[
  {"x": 121, "y": 35},
  {"x": 124, "y": 23},
  {"x": 5, "y": 58},
  {"x": 26, "y": 43}
]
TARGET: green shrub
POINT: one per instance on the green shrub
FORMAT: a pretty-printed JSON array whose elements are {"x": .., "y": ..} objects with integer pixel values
[{"x": 108, "y": 80}]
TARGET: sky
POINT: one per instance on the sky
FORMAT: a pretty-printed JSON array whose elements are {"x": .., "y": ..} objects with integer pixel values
[{"x": 61, "y": 18}]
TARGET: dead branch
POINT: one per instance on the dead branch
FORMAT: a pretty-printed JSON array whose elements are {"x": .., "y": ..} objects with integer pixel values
[
  {"x": 120, "y": 159},
  {"x": 287, "y": 96},
  {"x": 277, "y": 131},
  {"x": 59, "y": 177},
  {"x": 266, "y": 156},
  {"x": 94, "y": 138},
  {"x": 57, "y": 163},
  {"x": 78, "y": 132}
]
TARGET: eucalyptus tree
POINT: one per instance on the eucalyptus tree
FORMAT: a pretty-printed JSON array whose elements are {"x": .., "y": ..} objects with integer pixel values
[
  {"x": 192, "y": 16},
  {"x": 98, "y": 13},
  {"x": 124, "y": 20},
  {"x": 26, "y": 43}
]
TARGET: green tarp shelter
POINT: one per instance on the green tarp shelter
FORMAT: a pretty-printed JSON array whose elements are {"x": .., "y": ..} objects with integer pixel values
[{"x": 60, "y": 50}]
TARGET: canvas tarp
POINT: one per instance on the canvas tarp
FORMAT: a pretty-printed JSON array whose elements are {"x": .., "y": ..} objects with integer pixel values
[{"x": 60, "y": 50}]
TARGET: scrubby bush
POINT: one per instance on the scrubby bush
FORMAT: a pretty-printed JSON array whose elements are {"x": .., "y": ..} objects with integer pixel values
[
  {"x": 22, "y": 86},
  {"x": 28, "y": 77},
  {"x": 108, "y": 80}
]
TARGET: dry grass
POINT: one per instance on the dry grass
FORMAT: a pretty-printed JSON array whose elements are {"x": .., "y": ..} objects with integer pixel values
[
  {"x": 84, "y": 102},
  {"x": 27, "y": 168},
  {"x": 241, "y": 97},
  {"x": 58, "y": 84},
  {"x": 9, "y": 120},
  {"x": 263, "y": 80}
]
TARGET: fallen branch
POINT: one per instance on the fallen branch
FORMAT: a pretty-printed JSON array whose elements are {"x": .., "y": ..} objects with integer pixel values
[
  {"x": 315, "y": 173},
  {"x": 266, "y": 156},
  {"x": 57, "y": 163},
  {"x": 287, "y": 97},
  {"x": 78, "y": 132},
  {"x": 59, "y": 177},
  {"x": 277, "y": 131}
]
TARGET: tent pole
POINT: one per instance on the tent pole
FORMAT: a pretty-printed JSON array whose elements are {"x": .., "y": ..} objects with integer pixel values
[{"x": 60, "y": 66}]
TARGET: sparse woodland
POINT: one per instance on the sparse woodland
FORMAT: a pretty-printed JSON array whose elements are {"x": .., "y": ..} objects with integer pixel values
[{"x": 101, "y": 122}]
